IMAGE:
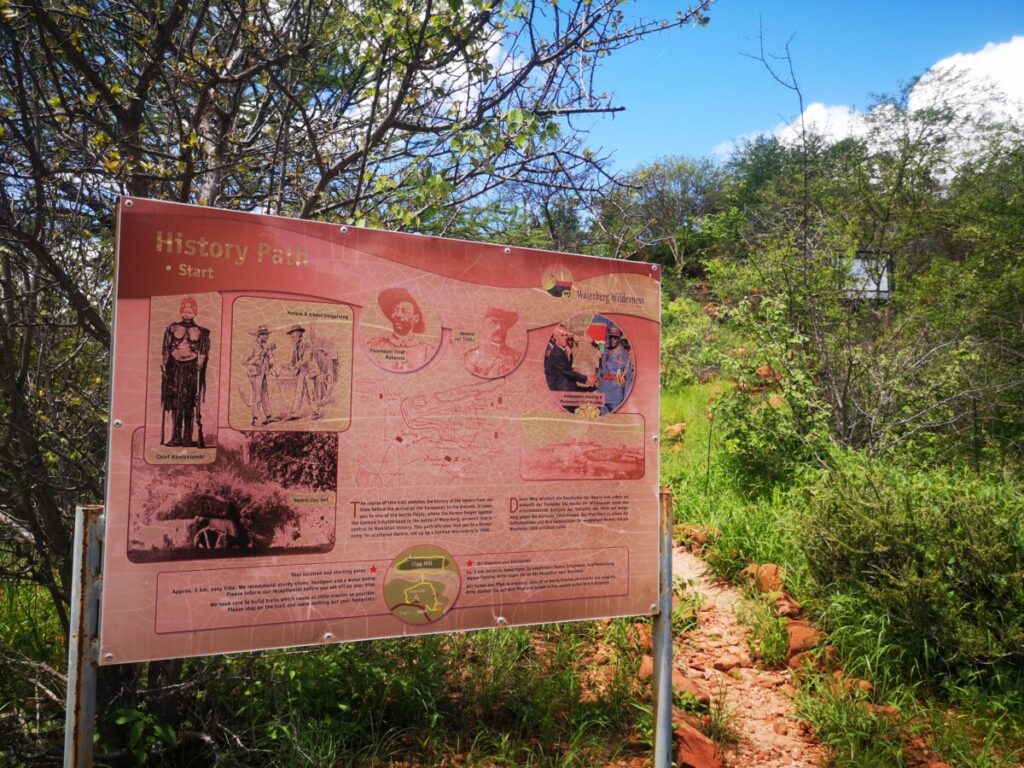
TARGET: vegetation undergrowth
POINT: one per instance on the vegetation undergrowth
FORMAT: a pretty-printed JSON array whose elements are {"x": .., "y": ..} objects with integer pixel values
[
  {"x": 559, "y": 695},
  {"x": 914, "y": 569}
]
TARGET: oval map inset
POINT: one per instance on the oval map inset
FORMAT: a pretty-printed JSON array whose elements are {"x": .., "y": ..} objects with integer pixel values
[{"x": 422, "y": 584}]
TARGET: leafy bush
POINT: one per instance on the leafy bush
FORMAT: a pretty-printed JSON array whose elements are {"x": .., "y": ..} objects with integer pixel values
[
  {"x": 764, "y": 445},
  {"x": 938, "y": 552},
  {"x": 774, "y": 421},
  {"x": 686, "y": 353}
]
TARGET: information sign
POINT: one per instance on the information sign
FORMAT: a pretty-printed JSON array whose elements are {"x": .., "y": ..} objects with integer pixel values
[{"x": 324, "y": 433}]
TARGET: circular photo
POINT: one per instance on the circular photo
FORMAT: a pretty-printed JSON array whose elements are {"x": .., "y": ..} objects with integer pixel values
[
  {"x": 399, "y": 333},
  {"x": 422, "y": 584},
  {"x": 495, "y": 347},
  {"x": 589, "y": 365}
]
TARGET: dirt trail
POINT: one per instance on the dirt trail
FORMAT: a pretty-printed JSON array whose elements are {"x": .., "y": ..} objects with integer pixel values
[{"x": 759, "y": 702}]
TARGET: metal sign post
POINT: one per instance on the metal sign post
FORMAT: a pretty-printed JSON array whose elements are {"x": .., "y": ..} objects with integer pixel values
[
  {"x": 663, "y": 642},
  {"x": 83, "y": 645}
]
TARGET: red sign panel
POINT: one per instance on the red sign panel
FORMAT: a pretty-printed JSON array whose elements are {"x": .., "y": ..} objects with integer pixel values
[{"x": 323, "y": 433}]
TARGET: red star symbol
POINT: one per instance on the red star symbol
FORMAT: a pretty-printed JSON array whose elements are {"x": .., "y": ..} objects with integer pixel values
[
  {"x": 469, "y": 563},
  {"x": 373, "y": 569}
]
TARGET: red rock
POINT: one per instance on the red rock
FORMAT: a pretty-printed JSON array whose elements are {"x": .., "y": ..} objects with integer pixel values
[
  {"x": 695, "y": 749},
  {"x": 825, "y": 660},
  {"x": 800, "y": 661},
  {"x": 682, "y": 717},
  {"x": 698, "y": 535},
  {"x": 786, "y": 606},
  {"x": 802, "y": 637},
  {"x": 640, "y": 636},
  {"x": 829, "y": 659},
  {"x": 781, "y": 728},
  {"x": 937, "y": 764},
  {"x": 675, "y": 430},
  {"x": 766, "y": 577},
  {"x": 727, "y": 661},
  {"x": 683, "y": 684},
  {"x": 887, "y": 710},
  {"x": 646, "y": 667},
  {"x": 843, "y": 684}
]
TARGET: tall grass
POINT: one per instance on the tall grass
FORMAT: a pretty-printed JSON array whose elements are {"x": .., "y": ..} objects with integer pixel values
[{"x": 975, "y": 719}]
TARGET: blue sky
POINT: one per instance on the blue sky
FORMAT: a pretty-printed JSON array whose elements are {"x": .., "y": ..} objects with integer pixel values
[{"x": 691, "y": 90}]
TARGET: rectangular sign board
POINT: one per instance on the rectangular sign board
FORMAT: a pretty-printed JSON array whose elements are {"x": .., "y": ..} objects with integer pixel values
[{"x": 323, "y": 433}]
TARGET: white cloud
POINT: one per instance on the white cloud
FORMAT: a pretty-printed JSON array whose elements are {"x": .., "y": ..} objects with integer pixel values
[
  {"x": 835, "y": 122},
  {"x": 989, "y": 81}
]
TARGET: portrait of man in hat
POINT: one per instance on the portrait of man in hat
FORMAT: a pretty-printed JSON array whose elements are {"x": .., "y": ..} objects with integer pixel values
[
  {"x": 186, "y": 347},
  {"x": 259, "y": 365},
  {"x": 492, "y": 356},
  {"x": 405, "y": 348},
  {"x": 615, "y": 370},
  {"x": 304, "y": 367}
]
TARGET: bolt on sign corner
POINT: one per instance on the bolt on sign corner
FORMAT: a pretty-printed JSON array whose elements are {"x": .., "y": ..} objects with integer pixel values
[{"x": 325, "y": 433}]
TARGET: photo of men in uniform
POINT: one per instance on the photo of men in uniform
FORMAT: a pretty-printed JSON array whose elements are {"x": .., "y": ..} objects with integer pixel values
[
  {"x": 260, "y": 364},
  {"x": 615, "y": 371},
  {"x": 492, "y": 356},
  {"x": 558, "y": 357},
  {"x": 408, "y": 346},
  {"x": 588, "y": 362},
  {"x": 184, "y": 355}
]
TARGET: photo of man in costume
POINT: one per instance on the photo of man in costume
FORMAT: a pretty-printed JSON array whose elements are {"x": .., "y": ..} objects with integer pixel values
[
  {"x": 186, "y": 348},
  {"x": 260, "y": 365},
  {"x": 492, "y": 357},
  {"x": 558, "y": 370},
  {"x": 306, "y": 371},
  {"x": 615, "y": 371},
  {"x": 404, "y": 349}
]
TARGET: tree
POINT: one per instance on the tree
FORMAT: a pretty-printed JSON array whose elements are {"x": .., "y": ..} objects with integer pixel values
[
  {"x": 377, "y": 112},
  {"x": 660, "y": 211},
  {"x": 910, "y": 190}
]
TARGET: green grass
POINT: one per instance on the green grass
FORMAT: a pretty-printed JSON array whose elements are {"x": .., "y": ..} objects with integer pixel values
[
  {"x": 969, "y": 725},
  {"x": 528, "y": 697},
  {"x": 767, "y": 632},
  {"x": 33, "y": 661},
  {"x": 503, "y": 697}
]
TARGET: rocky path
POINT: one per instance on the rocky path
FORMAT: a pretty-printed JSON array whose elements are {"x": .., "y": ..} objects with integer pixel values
[{"x": 713, "y": 659}]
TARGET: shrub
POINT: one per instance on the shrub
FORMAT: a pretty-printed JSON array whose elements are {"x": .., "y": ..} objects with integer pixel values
[
  {"x": 686, "y": 353},
  {"x": 938, "y": 552}
]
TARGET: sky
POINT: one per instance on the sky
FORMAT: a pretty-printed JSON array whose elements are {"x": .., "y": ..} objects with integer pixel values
[{"x": 694, "y": 92}]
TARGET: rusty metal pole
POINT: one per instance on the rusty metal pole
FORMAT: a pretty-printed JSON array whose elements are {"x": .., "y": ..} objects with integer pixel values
[
  {"x": 83, "y": 644},
  {"x": 663, "y": 642}
]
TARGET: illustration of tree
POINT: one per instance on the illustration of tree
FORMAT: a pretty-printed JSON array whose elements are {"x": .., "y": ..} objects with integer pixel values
[{"x": 297, "y": 458}]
